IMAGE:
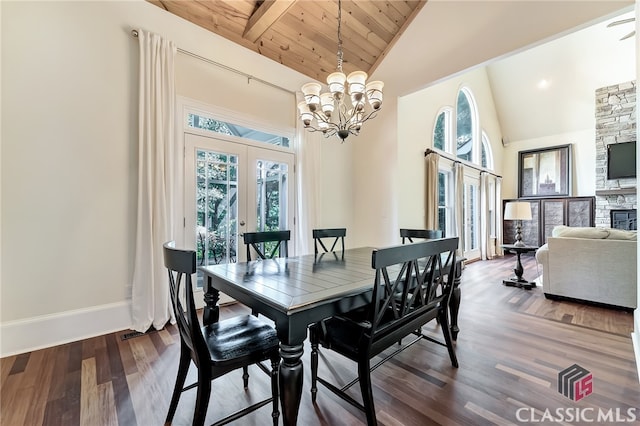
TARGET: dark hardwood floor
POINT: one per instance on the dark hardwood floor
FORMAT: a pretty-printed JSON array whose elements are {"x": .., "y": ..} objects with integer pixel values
[{"x": 511, "y": 347}]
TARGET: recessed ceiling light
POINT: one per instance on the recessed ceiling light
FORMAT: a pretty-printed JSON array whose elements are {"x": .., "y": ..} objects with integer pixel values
[{"x": 544, "y": 84}]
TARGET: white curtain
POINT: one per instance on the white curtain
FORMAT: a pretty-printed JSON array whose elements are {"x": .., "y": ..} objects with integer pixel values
[
  {"x": 485, "y": 228},
  {"x": 308, "y": 152},
  {"x": 431, "y": 208},
  {"x": 156, "y": 157},
  {"x": 498, "y": 210},
  {"x": 458, "y": 178}
]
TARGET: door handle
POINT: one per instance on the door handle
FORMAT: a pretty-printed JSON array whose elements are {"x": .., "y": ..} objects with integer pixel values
[{"x": 242, "y": 223}]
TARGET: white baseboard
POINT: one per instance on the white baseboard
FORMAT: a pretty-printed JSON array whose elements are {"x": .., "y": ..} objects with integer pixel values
[{"x": 56, "y": 329}]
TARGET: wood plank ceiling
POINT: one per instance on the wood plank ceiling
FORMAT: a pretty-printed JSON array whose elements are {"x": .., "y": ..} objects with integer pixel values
[{"x": 303, "y": 34}]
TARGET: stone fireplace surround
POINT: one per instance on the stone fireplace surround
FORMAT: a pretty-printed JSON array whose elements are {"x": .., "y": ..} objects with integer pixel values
[{"x": 615, "y": 123}]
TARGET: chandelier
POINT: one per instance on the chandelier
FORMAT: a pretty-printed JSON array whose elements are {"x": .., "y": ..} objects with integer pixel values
[{"x": 340, "y": 112}]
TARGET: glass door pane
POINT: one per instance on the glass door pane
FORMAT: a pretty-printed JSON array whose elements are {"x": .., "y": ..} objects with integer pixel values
[
  {"x": 216, "y": 207},
  {"x": 274, "y": 191},
  {"x": 471, "y": 218},
  {"x": 215, "y": 199}
]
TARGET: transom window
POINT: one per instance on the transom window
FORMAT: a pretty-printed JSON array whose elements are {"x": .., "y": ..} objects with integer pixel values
[
  {"x": 198, "y": 121},
  {"x": 486, "y": 156},
  {"x": 468, "y": 145},
  {"x": 464, "y": 127},
  {"x": 442, "y": 130}
]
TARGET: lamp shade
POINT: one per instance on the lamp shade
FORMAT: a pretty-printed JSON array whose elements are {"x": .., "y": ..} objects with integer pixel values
[{"x": 517, "y": 210}]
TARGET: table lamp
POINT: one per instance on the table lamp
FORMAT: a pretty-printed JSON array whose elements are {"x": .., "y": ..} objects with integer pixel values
[{"x": 518, "y": 211}]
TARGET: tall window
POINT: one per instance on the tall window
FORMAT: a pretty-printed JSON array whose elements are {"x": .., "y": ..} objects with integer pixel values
[
  {"x": 465, "y": 121},
  {"x": 457, "y": 131},
  {"x": 445, "y": 202}
]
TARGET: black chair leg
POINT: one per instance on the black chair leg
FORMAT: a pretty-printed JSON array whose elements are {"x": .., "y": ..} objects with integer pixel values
[
  {"x": 364, "y": 373},
  {"x": 202, "y": 398},
  {"x": 275, "y": 367},
  {"x": 314, "y": 368},
  {"x": 183, "y": 369},
  {"x": 444, "y": 325}
]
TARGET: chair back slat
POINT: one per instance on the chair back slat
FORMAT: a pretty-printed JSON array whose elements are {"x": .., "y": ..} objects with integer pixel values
[
  {"x": 412, "y": 282},
  {"x": 181, "y": 265},
  {"x": 426, "y": 234},
  {"x": 256, "y": 241},
  {"x": 337, "y": 234}
]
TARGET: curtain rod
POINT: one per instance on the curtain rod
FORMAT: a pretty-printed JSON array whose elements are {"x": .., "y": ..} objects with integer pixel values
[
  {"x": 431, "y": 151},
  {"x": 249, "y": 77}
]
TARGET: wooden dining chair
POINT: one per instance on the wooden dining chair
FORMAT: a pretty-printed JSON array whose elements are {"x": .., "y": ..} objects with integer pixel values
[
  {"x": 407, "y": 293},
  {"x": 425, "y": 234},
  {"x": 215, "y": 349},
  {"x": 257, "y": 240},
  {"x": 337, "y": 234}
]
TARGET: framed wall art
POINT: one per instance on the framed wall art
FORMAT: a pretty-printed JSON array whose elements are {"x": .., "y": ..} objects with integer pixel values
[{"x": 545, "y": 172}]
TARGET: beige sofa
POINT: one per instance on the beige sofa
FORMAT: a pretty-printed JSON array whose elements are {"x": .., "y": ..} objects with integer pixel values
[{"x": 592, "y": 264}]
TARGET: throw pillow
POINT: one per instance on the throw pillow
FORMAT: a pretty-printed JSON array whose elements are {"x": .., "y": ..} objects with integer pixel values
[
  {"x": 580, "y": 232},
  {"x": 621, "y": 234}
]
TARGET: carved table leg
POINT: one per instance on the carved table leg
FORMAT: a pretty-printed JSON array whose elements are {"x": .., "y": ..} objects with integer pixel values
[
  {"x": 518, "y": 270},
  {"x": 291, "y": 374},
  {"x": 211, "y": 311}
]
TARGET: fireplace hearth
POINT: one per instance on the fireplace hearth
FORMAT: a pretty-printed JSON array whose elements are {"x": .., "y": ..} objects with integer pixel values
[{"x": 624, "y": 219}]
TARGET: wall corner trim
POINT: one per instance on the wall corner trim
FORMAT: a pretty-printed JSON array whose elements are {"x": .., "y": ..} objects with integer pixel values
[{"x": 44, "y": 331}]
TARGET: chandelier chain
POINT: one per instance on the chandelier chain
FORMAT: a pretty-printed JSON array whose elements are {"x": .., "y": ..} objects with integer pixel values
[{"x": 340, "y": 35}]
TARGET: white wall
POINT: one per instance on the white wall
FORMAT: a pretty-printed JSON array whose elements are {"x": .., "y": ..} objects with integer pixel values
[
  {"x": 417, "y": 114},
  {"x": 336, "y": 186},
  {"x": 68, "y": 159},
  {"x": 374, "y": 176}
]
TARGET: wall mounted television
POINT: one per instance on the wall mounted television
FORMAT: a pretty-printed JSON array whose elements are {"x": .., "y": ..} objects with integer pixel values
[{"x": 621, "y": 160}]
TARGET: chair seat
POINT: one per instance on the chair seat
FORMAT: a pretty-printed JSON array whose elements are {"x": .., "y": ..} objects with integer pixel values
[
  {"x": 344, "y": 333},
  {"x": 236, "y": 340},
  {"x": 340, "y": 334}
]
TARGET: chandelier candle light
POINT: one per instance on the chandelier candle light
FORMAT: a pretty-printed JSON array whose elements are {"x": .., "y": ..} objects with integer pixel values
[{"x": 340, "y": 111}]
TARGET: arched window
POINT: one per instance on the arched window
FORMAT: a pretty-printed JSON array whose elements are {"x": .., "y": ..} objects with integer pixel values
[
  {"x": 486, "y": 155},
  {"x": 466, "y": 122},
  {"x": 442, "y": 130}
]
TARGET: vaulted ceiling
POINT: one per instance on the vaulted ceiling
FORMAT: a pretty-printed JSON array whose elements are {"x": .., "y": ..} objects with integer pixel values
[
  {"x": 413, "y": 44},
  {"x": 303, "y": 34}
]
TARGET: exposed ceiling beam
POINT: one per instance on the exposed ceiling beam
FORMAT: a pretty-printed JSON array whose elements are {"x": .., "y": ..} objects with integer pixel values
[{"x": 264, "y": 17}]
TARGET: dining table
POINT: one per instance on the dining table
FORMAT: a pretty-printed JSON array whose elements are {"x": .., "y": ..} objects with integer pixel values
[{"x": 295, "y": 292}]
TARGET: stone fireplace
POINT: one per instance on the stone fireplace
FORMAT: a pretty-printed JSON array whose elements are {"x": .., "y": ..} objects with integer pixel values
[{"x": 616, "y": 199}]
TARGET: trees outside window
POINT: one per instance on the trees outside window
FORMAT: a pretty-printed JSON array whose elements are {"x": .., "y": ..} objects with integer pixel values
[
  {"x": 465, "y": 126},
  {"x": 442, "y": 130}
]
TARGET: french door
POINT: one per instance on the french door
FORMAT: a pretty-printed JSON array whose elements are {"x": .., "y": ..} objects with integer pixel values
[{"x": 232, "y": 188}]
